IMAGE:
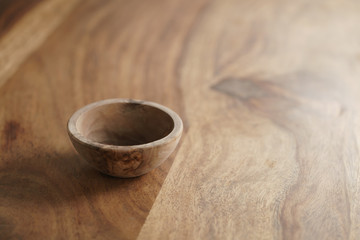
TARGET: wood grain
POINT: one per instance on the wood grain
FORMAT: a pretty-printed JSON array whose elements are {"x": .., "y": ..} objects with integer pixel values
[
  {"x": 272, "y": 151},
  {"x": 12, "y": 11},
  {"x": 98, "y": 52},
  {"x": 33, "y": 26},
  {"x": 268, "y": 91}
]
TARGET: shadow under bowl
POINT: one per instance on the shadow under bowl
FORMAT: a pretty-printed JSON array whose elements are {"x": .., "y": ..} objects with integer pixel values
[{"x": 124, "y": 137}]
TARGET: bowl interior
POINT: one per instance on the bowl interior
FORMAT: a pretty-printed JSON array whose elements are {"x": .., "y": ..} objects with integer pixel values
[{"x": 124, "y": 124}]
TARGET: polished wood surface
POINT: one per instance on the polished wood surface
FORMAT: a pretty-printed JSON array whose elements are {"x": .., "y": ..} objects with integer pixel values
[{"x": 268, "y": 92}]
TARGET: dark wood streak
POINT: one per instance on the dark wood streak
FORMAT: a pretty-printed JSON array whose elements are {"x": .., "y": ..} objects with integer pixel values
[
  {"x": 12, "y": 10},
  {"x": 244, "y": 88},
  {"x": 11, "y": 132}
]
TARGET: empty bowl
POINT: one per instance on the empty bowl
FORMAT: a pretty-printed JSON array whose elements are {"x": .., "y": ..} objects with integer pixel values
[{"x": 124, "y": 137}]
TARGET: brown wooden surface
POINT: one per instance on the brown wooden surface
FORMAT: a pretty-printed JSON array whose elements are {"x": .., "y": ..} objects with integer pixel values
[{"x": 268, "y": 92}]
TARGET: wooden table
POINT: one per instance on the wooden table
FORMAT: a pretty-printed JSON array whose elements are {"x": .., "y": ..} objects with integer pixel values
[{"x": 269, "y": 92}]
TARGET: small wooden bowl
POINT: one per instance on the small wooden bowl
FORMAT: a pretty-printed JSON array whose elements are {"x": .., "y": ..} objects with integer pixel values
[{"x": 125, "y": 138}]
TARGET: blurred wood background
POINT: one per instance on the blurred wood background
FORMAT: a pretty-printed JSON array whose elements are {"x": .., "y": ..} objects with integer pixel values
[{"x": 269, "y": 93}]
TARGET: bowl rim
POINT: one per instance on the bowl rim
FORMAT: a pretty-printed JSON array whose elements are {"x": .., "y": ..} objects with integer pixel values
[{"x": 76, "y": 135}]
